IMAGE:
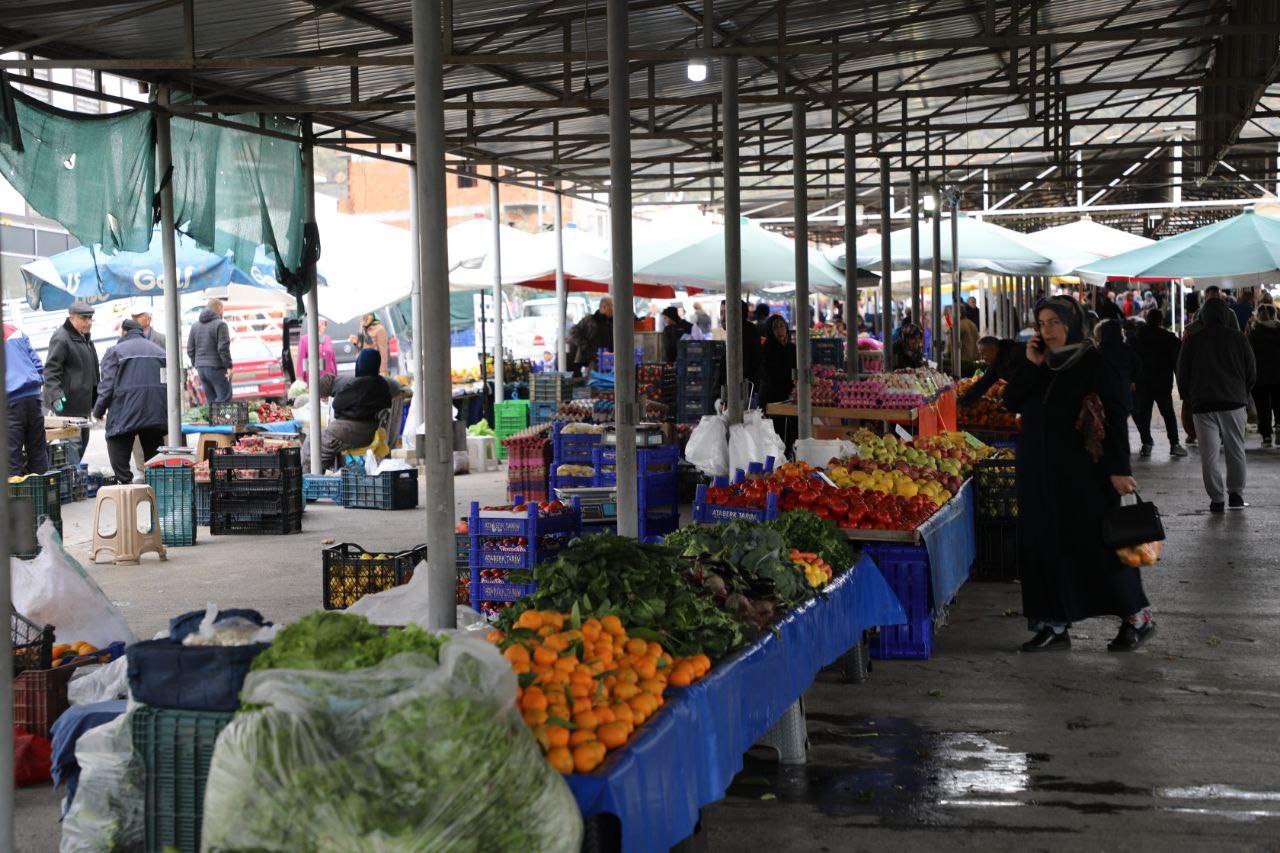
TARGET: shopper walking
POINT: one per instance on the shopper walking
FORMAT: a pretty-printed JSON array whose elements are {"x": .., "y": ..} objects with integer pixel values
[
  {"x": 373, "y": 335},
  {"x": 132, "y": 397},
  {"x": 71, "y": 368},
  {"x": 328, "y": 356},
  {"x": 1264, "y": 339},
  {"x": 1243, "y": 309},
  {"x": 701, "y": 319},
  {"x": 1216, "y": 369},
  {"x": 209, "y": 348},
  {"x": 1072, "y": 467},
  {"x": 777, "y": 364},
  {"x": 1157, "y": 350},
  {"x": 23, "y": 381}
]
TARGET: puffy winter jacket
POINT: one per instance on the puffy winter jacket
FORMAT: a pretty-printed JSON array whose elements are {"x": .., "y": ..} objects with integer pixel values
[
  {"x": 23, "y": 372},
  {"x": 1216, "y": 368},
  {"x": 70, "y": 372},
  {"x": 209, "y": 342},
  {"x": 132, "y": 393}
]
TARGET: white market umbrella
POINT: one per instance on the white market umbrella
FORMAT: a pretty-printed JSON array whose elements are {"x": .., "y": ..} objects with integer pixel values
[
  {"x": 1092, "y": 237},
  {"x": 365, "y": 264},
  {"x": 471, "y": 254},
  {"x": 983, "y": 248}
]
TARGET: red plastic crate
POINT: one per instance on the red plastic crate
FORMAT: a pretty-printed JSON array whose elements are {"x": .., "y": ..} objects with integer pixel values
[{"x": 40, "y": 697}]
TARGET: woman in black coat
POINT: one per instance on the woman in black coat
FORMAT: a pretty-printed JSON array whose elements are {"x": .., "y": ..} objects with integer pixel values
[
  {"x": 777, "y": 375},
  {"x": 1121, "y": 358},
  {"x": 1069, "y": 477},
  {"x": 1264, "y": 338}
]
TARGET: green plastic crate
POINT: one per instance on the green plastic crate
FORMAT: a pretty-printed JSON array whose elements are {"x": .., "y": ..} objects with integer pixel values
[
  {"x": 175, "y": 486},
  {"x": 510, "y": 416},
  {"x": 176, "y": 748},
  {"x": 41, "y": 491}
]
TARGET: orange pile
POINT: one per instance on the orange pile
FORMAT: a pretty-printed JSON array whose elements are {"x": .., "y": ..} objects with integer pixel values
[{"x": 584, "y": 690}]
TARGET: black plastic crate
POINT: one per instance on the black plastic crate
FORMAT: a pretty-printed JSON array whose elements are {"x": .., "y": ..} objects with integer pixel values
[
  {"x": 32, "y": 644},
  {"x": 700, "y": 350},
  {"x": 229, "y": 413},
  {"x": 996, "y": 484},
  {"x": 31, "y": 501},
  {"x": 351, "y": 572},
  {"x": 388, "y": 490},
  {"x": 828, "y": 351},
  {"x": 255, "y": 524},
  {"x": 997, "y": 551},
  {"x": 271, "y": 465}
]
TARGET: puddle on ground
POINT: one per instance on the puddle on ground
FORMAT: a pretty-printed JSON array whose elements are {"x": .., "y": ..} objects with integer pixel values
[{"x": 896, "y": 773}]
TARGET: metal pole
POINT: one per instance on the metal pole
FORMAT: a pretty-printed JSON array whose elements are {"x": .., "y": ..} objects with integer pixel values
[
  {"x": 312, "y": 300},
  {"x": 172, "y": 324},
  {"x": 499, "y": 373},
  {"x": 433, "y": 260},
  {"x": 732, "y": 239},
  {"x": 955, "y": 284},
  {"x": 562, "y": 290},
  {"x": 935, "y": 273},
  {"x": 852, "y": 360},
  {"x": 6, "y": 646},
  {"x": 419, "y": 360},
  {"x": 624, "y": 367},
  {"x": 800, "y": 180},
  {"x": 886, "y": 266},
  {"x": 915, "y": 248}
]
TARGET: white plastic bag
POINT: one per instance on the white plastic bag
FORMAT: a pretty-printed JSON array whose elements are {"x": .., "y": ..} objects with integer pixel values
[
  {"x": 818, "y": 451},
  {"x": 409, "y": 755},
  {"x": 100, "y": 683},
  {"x": 753, "y": 441},
  {"x": 708, "y": 447},
  {"x": 407, "y": 604},
  {"x": 52, "y": 589},
  {"x": 107, "y": 812}
]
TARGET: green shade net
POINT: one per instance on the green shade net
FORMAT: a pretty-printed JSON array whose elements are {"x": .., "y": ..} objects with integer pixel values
[
  {"x": 234, "y": 190},
  {"x": 94, "y": 175}
]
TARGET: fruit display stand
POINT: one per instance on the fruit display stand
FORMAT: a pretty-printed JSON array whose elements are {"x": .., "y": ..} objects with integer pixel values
[
  {"x": 685, "y": 757},
  {"x": 935, "y": 417}
]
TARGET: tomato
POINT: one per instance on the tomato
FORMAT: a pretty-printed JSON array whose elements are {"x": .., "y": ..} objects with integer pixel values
[
  {"x": 838, "y": 507},
  {"x": 805, "y": 498}
]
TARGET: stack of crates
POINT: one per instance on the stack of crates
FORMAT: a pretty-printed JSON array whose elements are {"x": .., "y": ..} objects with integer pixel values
[
  {"x": 529, "y": 467},
  {"x": 604, "y": 359},
  {"x": 509, "y": 417},
  {"x": 547, "y": 390},
  {"x": 572, "y": 449},
  {"x": 505, "y": 541},
  {"x": 64, "y": 460},
  {"x": 656, "y": 484},
  {"x": 255, "y": 493},
  {"x": 657, "y": 382},
  {"x": 996, "y": 521},
  {"x": 828, "y": 351},
  {"x": 31, "y": 500},
  {"x": 698, "y": 370},
  {"x": 172, "y": 478}
]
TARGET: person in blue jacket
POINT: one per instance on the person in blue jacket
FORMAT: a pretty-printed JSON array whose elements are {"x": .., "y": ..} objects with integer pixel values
[
  {"x": 132, "y": 396},
  {"x": 23, "y": 384}
]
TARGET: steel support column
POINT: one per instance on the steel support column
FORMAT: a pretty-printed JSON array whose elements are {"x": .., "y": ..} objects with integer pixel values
[
  {"x": 886, "y": 264},
  {"x": 311, "y": 300},
  {"x": 433, "y": 260},
  {"x": 916, "y": 316},
  {"x": 499, "y": 372},
  {"x": 172, "y": 320},
  {"x": 800, "y": 179},
  {"x": 419, "y": 359},
  {"x": 852, "y": 365},
  {"x": 6, "y": 646},
  {"x": 732, "y": 239},
  {"x": 562, "y": 290},
  {"x": 955, "y": 284},
  {"x": 935, "y": 274},
  {"x": 624, "y": 367}
]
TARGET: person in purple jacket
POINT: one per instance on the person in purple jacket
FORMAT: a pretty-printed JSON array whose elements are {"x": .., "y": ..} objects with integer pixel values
[{"x": 23, "y": 384}]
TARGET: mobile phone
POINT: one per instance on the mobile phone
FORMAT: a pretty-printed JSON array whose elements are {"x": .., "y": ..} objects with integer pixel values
[{"x": 1037, "y": 343}]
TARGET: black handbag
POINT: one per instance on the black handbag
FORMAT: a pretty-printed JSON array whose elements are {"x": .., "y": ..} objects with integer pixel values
[{"x": 1134, "y": 524}]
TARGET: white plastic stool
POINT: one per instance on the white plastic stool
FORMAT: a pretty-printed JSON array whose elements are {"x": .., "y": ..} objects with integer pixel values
[
  {"x": 127, "y": 542},
  {"x": 483, "y": 453}
]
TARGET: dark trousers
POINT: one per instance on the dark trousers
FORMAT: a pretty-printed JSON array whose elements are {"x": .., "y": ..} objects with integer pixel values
[
  {"x": 216, "y": 385},
  {"x": 1267, "y": 399},
  {"x": 1143, "y": 398},
  {"x": 26, "y": 436},
  {"x": 120, "y": 450}
]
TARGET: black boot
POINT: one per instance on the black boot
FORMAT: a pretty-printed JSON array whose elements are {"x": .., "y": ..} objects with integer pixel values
[
  {"x": 1131, "y": 636},
  {"x": 1047, "y": 640}
]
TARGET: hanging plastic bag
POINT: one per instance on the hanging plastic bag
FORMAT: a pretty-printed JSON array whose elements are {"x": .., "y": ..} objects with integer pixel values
[
  {"x": 754, "y": 440},
  {"x": 708, "y": 446},
  {"x": 409, "y": 755},
  {"x": 53, "y": 589},
  {"x": 107, "y": 812}
]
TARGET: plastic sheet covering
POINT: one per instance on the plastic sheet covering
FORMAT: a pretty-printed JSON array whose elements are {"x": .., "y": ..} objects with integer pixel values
[
  {"x": 687, "y": 754},
  {"x": 66, "y": 732},
  {"x": 107, "y": 813},
  {"x": 409, "y": 755},
  {"x": 952, "y": 544},
  {"x": 94, "y": 175}
]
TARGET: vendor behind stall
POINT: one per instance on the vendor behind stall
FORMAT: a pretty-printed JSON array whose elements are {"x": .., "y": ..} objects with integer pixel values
[
  {"x": 358, "y": 403},
  {"x": 1003, "y": 358}
]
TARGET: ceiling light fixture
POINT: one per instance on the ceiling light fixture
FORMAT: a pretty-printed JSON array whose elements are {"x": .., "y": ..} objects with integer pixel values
[{"x": 697, "y": 70}]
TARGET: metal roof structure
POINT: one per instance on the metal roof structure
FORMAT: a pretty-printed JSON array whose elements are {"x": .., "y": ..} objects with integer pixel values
[{"x": 1024, "y": 105}]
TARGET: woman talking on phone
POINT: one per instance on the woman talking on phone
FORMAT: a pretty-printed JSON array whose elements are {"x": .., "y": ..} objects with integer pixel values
[{"x": 1072, "y": 468}]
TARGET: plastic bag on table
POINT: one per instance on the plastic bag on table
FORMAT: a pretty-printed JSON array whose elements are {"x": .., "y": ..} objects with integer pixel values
[
  {"x": 708, "y": 446},
  {"x": 53, "y": 589},
  {"x": 107, "y": 812},
  {"x": 408, "y": 755},
  {"x": 754, "y": 440}
]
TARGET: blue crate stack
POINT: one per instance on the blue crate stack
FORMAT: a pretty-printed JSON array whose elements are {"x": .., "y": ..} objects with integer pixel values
[
  {"x": 489, "y": 527},
  {"x": 906, "y": 568},
  {"x": 699, "y": 366},
  {"x": 657, "y": 484}
]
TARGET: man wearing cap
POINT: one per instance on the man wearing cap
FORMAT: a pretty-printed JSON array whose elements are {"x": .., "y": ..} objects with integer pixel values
[
  {"x": 141, "y": 313},
  {"x": 132, "y": 396},
  {"x": 71, "y": 369}
]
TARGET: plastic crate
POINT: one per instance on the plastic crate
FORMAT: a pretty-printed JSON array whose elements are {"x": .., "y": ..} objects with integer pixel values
[
  {"x": 551, "y": 386},
  {"x": 229, "y": 413},
  {"x": 997, "y": 551},
  {"x": 705, "y": 513},
  {"x": 176, "y": 749},
  {"x": 828, "y": 351},
  {"x": 687, "y": 370},
  {"x": 462, "y": 553},
  {"x": 254, "y": 523},
  {"x": 203, "y": 503},
  {"x": 906, "y": 568},
  {"x": 350, "y": 572},
  {"x": 996, "y": 489},
  {"x": 650, "y": 461},
  {"x": 527, "y": 524},
  {"x": 605, "y": 359},
  {"x": 497, "y": 590},
  {"x": 92, "y": 482},
  {"x": 558, "y": 482},
  {"x": 40, "y": 697},
  {"x": 32, "y": 644},
  {"x": 41, "y": 492},
  {"x": 575, "y": 448},
  {"x": 388, "y": 490},
  {"x": 270, "y": 465},
  {"x": 62, "y": 454},
  {"x": 66, "y": 483},
  {"x": 485, "y": 554},
  {"x": 510, "y": 417},
  {"x": 268, "y": 497},
  {"x": 173, "y": 481},
  {"x": 529, "y": 454},
  {"x": 542, "y": 411},
  {"x": 322, "y": 487},
  {"x": 700, "y": 350}
]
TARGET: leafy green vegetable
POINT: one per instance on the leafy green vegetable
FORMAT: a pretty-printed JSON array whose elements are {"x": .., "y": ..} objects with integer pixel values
[
  {"x": 752, "y": 551},
  {"x": 335, "y": 642},
  {"x": 805, "y": 531}
]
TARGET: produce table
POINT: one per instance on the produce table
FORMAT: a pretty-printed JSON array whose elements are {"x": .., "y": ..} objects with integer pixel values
[
  {"x": 930, "y": 419},
  {"x": 687, "y": 754}
]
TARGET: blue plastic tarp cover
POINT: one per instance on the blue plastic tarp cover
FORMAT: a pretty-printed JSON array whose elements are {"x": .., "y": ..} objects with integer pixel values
[
  {"x": 952, "y": 544},
  {"x": 67, "y": 729},
  {"x": 227, "y": 429},
  {"x": 687, "y": 754}
]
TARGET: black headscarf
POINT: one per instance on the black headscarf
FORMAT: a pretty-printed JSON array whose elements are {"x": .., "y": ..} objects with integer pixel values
[{"x": 1072, "y": 317}]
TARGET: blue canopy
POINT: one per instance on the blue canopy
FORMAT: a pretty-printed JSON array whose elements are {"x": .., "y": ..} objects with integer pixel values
[{"x": 54, "y": 283}]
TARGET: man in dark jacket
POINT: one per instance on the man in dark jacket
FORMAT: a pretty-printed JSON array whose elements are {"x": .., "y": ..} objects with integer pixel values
[
  {"x": 1003, "y": 358},
  {"x": 209, "y": 348},
  {"x": 1243, "y": 309},
  {"x": 1215, "y": 371},
  {"x": 1157, "y": 350},
  {"x": 132, "y": 396},
  {"x": 23, "y": 378},
  {"x": 358, "y": 403},
  {"x": 593, "y": 333},
  {"x": 71, "y": 368}
]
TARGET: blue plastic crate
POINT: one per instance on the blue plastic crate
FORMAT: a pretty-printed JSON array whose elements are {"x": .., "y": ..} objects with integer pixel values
[
  {"x": 388, "y": 490},
  {"x": 572, "y": 448},
  {"x": 697, "y": 369},
  {"x": 705, "y": 513},
  {"x": 540, "y": 412},
  {"x": 906, "y": 568},
  {"x": 700, "y": 350},
  {"x": 204, "y": 503},
  {"x": 654, "y": 528},
  {"x": 528, "y": 525},
  {"x": 493, "y": 590},
  {"x": 604, "y": 359},
  {"x": 322, "y": 487},
  {"x": 662, "y": 459},
  {"x": 539, "y": 548},
  {"x": 558, "y": 482}
]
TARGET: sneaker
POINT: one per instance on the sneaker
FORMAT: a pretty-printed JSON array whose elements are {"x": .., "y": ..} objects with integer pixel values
[
  {"x": 1046, "y": 640},
  {"x": 1266, "y": 441},
  {"x": 1235, "y": 500},
  {"x": 1145, "y": 450},
  {"x": 1217, "y": 507},
  {"x": 1177, "y": 450},
  {"x": 1191, "y": 442},
  {"x": 1131, "y": 637}
]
